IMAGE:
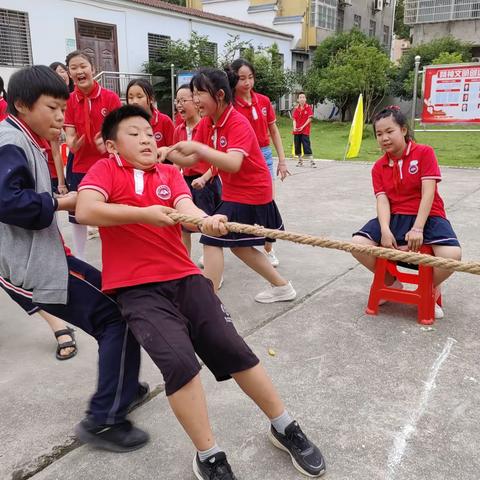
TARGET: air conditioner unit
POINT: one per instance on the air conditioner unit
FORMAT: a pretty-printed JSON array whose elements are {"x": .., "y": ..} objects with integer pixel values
[
  {"x": 378, "y": 5},
  {"x": 346, "y": 3}
]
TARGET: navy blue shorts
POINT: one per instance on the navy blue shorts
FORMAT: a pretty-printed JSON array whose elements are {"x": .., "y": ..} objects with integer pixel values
[
  {"x": 266, "y": 215},
  {"x": 209, "y": 197},
  {"x": 73, "y": 181},
  {"x": 437, "y": 230}
]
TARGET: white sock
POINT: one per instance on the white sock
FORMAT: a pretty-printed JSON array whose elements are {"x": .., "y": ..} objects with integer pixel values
[
  {"x": 204, "y": 454},
  {"x": 282, "y": 422},
  {"x": 79, "y": 240}
]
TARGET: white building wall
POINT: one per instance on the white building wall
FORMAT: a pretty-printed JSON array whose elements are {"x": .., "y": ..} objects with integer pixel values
[{"x": 52, "y": 29}]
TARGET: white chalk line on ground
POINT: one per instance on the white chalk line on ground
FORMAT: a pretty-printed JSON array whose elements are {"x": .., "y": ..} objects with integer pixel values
[{"x": 400, "y": 442}]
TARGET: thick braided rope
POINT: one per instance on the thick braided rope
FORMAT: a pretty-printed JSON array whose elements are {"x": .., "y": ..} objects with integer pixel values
[{"x": 304, "y": 239}]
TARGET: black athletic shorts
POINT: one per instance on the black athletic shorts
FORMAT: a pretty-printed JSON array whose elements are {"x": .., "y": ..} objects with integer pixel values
[{"x": 177, "y": 319}]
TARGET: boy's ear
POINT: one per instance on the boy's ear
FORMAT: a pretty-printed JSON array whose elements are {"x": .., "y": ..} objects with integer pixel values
[
  {"x": 21, "y": 108},
  {"x": 110, "y": 146}
]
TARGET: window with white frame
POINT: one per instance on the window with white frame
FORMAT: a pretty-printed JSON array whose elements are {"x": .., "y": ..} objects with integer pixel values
[
  {"x": 157, "y": 46},
  {"x": 323, "y": 14},
  {"x": 429, "y": 11},
  {"x": 15, "y": 45}
]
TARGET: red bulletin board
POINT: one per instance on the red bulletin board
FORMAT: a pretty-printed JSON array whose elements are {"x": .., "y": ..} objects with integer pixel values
[{"x": 451, "y": 93}]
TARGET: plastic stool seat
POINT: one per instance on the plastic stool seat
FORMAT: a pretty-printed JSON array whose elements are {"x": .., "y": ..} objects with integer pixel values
[{"x": 423, "y": 296}]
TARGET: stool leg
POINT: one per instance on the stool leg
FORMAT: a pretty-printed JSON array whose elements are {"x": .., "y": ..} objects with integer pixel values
[
  {"x": 426, "y": 306},
  {"x": 378, "y": 282}
]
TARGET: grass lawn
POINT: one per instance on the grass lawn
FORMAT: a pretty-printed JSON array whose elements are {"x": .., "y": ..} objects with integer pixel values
[{"x": 329, "y": 139}]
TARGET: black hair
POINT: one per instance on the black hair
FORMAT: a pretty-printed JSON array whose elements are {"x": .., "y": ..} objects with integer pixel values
[
  {"x": 113, "y": 119},
  {"x": 79, "y": 53},
  {"x": 212, "y": 80},
  {"x": 300, "y": 93},
  {"x": 232, "y": 71},
  {"x": 2, "y": 89},
  {"x": 54, "y": 67},
  {"x": 146, "y": 86},
  {"x": 184, "y": 86},
  {"x": 398, "y": 117},
  {"x": 29, "y": 84}
]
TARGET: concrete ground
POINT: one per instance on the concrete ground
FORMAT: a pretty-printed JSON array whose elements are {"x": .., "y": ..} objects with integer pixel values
[{"x": 384, "y": 397}]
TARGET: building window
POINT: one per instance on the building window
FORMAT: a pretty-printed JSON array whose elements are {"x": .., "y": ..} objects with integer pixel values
[
  {"x": 15, "y": 46},
  {"x": 428, "y": 11},
  {"x": 210, "y": 50},
  {"x": 372, "y": 31},
  {"x": 357, "y": 22},
  {"x": 157, "y": 46},
  {"x": 386, "y": 36},
  {"x": 299, "y": 66},
  {"x": 340, "y": 20},
  {"x": 323, "y": 14}
]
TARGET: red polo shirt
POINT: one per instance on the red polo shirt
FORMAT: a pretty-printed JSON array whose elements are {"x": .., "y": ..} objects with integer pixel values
[
  {"x": 101, "y": 105},
  {"x": 260, "y": 114},
  {"x": 163, "y": 128},
  {"x": 181, "y": 135},
  {"x": 252, "y": 184},
  {"x": 418, "y": 163},
  {"x": 301, "y": 115},
  {"x": 3, "y": 109},
  {"x": 137, "y": 254}
]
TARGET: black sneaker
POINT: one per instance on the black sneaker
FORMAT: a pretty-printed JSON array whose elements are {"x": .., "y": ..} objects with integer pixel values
[
  {"x": 120, "y": 437},
  {"x": 215, "y": 467},
  {"x": 142, "y": 395},
  {"x": 306, "y": 456}
]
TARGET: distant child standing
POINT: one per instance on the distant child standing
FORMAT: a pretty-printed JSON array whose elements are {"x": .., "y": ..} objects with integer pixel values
[
  {"x": 410, "y": 211},
  {"x": 3, "y": 101},
  {"x": 87, "y": 107},
  {"x": 140, "y": 92},
  {"x": 302, "y": 118},
  {"x": 202, "y": 179},
  {"x": 226, "y": 140},
  {"x": 259, "y": 112}
]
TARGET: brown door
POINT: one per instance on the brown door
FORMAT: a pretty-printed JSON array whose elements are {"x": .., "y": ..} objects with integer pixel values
[{"x": 98, "y": 40}]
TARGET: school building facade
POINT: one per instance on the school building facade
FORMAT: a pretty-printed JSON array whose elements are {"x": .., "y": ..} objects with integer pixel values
[{"x": 121, "y": 35}]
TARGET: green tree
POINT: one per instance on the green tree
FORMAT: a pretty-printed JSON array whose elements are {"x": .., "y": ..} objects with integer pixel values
[
  {"x": 191, "y": 55},
  {"x": 401, "y": 30},
  {"x": 428, "y": 52},
  {"x": 447, "y": 58}
]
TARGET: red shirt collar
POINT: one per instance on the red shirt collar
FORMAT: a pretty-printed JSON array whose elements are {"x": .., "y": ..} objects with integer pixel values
[
  {"x": 39, "y": 142},
  {"x": 242, "y": 103},
  {"x": 121, "y": 162},
  {"x": 411, "y": 146},
  {"x": 155, "y": 118},
  {"x": 223, "y": 118},
  {"x": 94, "y": 93}
]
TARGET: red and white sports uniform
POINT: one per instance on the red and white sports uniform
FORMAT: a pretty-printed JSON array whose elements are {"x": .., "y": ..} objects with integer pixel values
[
  {"x": 301, "y": 115},
  {"x": 252, "y": 184},
  {"x": 138, "y": 254},
  {"x": 163, "y": 128}
]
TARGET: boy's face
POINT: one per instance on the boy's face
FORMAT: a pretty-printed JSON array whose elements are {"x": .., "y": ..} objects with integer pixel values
[
  {"x": 45, "y": 117},
  {"x": 81, "y": 72},
  {"x": 302, "y": 99},
  {"x": 135, "y": 143}
]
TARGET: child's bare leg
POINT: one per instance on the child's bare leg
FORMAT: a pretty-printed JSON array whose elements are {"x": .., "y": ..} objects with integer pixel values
[
  {"x": 187, "y": 241},
  {"x": 190, "y": 408},
  {"x": 213, "y": 264},
  {"x": 258, "y": 262},
  {"x": 257, "y": 385},
  {"x": 445, "y": 251},
  {"x": 368, "y": 261},
  {"x": 268, "y": 246},
  {"x": 57, "y": 324}
]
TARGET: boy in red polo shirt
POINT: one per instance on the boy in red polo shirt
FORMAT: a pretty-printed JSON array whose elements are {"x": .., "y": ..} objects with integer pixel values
[
  {"x": 169, "y": 306},
  {"x": 87, "y": 107},
  {"x": 302, "y": 118}
]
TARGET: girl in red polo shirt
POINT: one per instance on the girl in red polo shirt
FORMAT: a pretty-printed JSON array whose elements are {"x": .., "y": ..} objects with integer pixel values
[
  {"x": 87, "y": 106},
  {"x": 140, "y": 92},
  {"x": 204, "y": 185},
  {"x": 226, "y": 140},
  {"x": 409, "y": 208},
  {"x": 302, "y": 118},
  {"x": 259, "y": 112}
]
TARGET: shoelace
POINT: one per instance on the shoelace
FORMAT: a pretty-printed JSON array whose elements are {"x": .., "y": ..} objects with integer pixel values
[
  {"x": 220, "y": 469},
  {"x": 298, "y": 438}
]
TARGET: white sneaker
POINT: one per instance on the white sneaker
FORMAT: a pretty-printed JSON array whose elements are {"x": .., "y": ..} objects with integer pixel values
[
  {"x": 274, "y": 261},
  {"x": 285, "y": 293},
  {"x": 438, "y": 312},
  {"x": 395, "y": 284},
  {"x": 200, "y": 262}
]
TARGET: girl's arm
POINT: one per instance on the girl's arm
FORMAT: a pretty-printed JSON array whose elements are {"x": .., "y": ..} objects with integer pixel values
[
  {"x": 415, "y": 236},
  {"x": 187, "y": 153},
  {"x": 213, "y": 225},
  {"x": 277, "y": 142},
  {"x": 73, "y": 141},
  {"x": 383, "y": 213},
  {"x": 57, "y": 160},
  {"x": 200, "y": 182},
  {"x": 309, "y": 120}
]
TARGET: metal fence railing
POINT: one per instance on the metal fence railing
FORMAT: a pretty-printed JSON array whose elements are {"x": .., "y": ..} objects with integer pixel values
[
  {"x": 429, "y": 11},
  {"x": 118, "y": 81}
]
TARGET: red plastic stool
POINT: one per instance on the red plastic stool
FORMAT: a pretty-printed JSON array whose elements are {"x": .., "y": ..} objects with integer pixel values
[{"x": 423, "y": 296}]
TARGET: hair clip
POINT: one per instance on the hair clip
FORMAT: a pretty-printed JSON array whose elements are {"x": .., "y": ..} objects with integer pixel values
[{"x": 394, "y": 108}]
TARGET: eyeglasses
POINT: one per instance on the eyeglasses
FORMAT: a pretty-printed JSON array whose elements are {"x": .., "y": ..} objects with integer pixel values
[{"x": 181, "y": 102}]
